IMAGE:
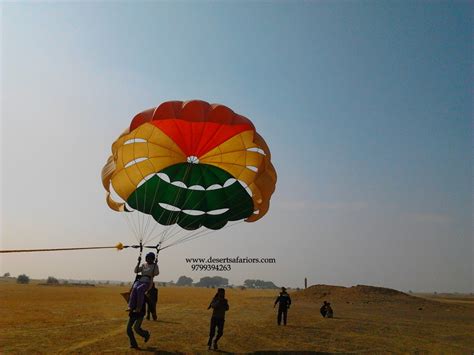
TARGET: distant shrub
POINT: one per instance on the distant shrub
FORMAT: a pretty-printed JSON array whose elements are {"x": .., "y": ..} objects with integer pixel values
[
  {"x": 52, "y": 280},
  {"x": 23, "y": 279},
  {"x": 184, "y": 281},
  {"x": 7, "y": 274}
]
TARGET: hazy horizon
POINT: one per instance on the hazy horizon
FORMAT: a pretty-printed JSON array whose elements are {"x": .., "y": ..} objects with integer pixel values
[{"x": 366, "y": 108}]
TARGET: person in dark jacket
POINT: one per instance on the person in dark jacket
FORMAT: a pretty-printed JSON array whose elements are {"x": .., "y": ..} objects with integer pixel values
[
  {"x": 330, "y": 312},
  {"x": 284, "y": 302},
  {"x": 135, "y": 323},
  {"x": 219, "y": 306},
  {"x": 151, "y": 302},
  {"x": 323, "y": 310}
]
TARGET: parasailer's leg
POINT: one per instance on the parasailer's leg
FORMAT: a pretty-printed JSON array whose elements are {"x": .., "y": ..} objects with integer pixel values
[
  {"x": 138, "y": 328},
  {"x": 131, "y": 336},
  {"x": 132, "y": 301},
  {"x": 140, "y": 294}
]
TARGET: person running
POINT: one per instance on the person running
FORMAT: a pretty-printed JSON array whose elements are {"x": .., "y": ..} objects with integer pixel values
[
  {"x": 151, "y": 301},
  {"x": 135, "y": 323},
  {"x": 148, "y": 270},
  {"x": 284, "y": 302},
  {"x": 219, "y": 306}
]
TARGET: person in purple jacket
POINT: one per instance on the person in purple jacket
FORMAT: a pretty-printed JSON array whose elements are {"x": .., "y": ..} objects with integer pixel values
[{"x": 148, "y": 270}]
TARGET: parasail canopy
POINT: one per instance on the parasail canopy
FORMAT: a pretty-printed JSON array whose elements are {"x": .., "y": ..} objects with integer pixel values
[{"x": 189, "y": 165}]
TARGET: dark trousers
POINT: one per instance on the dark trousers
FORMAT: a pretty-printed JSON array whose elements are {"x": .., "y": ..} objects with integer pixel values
[
  {"x": 135, "y": 323},
  {"x": 151, "y": 309},
  {"x": 282, "y": 311},
  {"x": 219, "y": 323}
]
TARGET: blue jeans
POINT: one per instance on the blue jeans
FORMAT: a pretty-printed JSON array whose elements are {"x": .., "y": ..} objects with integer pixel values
[{"x": 135, "y": 323}]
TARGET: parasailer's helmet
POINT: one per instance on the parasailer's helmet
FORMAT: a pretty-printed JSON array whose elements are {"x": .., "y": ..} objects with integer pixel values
[{"x": 150, "y": 257}]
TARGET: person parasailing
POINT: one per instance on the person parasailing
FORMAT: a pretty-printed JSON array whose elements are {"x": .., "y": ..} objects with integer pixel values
[{"x": 144, "y": 281}]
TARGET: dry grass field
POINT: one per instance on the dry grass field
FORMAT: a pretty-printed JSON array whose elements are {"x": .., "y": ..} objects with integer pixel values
[{"x": 72, "y": 319}]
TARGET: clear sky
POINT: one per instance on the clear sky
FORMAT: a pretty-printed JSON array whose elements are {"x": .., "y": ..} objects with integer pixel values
[{"x": 366, "y": 107}]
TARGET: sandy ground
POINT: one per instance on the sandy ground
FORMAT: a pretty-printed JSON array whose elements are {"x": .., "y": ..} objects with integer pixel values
[{"x": 72, "y": 319}]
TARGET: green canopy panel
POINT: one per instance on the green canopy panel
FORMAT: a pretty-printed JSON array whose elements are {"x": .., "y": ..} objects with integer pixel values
[{"x": 192, "y": 195}]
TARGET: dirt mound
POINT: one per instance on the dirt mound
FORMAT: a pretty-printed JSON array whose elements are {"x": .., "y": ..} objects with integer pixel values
[{"x": 359, "y": 293}]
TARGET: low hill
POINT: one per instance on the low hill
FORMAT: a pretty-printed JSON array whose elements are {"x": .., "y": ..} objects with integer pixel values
[{"x": 357, "y": 294}]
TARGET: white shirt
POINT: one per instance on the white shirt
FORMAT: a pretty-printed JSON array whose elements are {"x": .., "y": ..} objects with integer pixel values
[{"x": 148, "y": 271}]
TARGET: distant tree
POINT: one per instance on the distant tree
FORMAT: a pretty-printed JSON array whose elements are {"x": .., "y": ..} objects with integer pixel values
[
  {"x": 122, "y": 284},
  {"x": 259, "y": 284},
  {"x": 7, "y": 274},
  {"x": 410, "y": 291},
  {"x": 184, "y": 281},
  {"x": 215, "y": 281},
  {"x": 52, "y": 280},
  {"x": 23, "y": 279},
  {"x": 65, "y": 282}
]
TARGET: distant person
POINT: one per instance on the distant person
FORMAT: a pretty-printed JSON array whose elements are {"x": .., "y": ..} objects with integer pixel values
[
  {"x": 135, "y": 323},
  {"x": 151, "y": 302},
  {"x": 323, "y": 310},
  {"x": 219, "y": 306},
  {"x": 144, "y": 282},
  {"x": 329, "y": 313},
  {"x": 284, "y": 302}
]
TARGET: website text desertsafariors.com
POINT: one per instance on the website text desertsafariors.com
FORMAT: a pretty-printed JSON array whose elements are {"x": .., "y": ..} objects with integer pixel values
[{"x": 224, "y": 264}]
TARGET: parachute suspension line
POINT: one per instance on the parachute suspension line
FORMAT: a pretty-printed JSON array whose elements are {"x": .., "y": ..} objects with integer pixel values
[
  {"x": 203, "y": 232},
  {"x": 165, "y": 227},
  {"x": 165, "y": 232},
  {"x": 159, "y": 218},
  {"x": 150, "y": 216},
  {"x": 184, "y": 230},
  {"x": 130, "y": 225},
  {"x": 199, "y": 234},
  {"x": 130, "y": 220},
  {"x": 186, "y": 238},
  {"x": 174, "y": 226},
  {"x": 140, "y": 218},
  {"x": 146, "y": 216},
  {"x": 136, "y": 221}
]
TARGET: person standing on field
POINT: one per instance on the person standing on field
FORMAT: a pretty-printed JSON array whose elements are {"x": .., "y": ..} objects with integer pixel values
[
  {"x": 219, "y": 306},
  {"x": 151, "y": 302},
  {"x": 135, "y": 323},
  {"x": 323, "y": 310},
  {"x": 284, "y": 302}
]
